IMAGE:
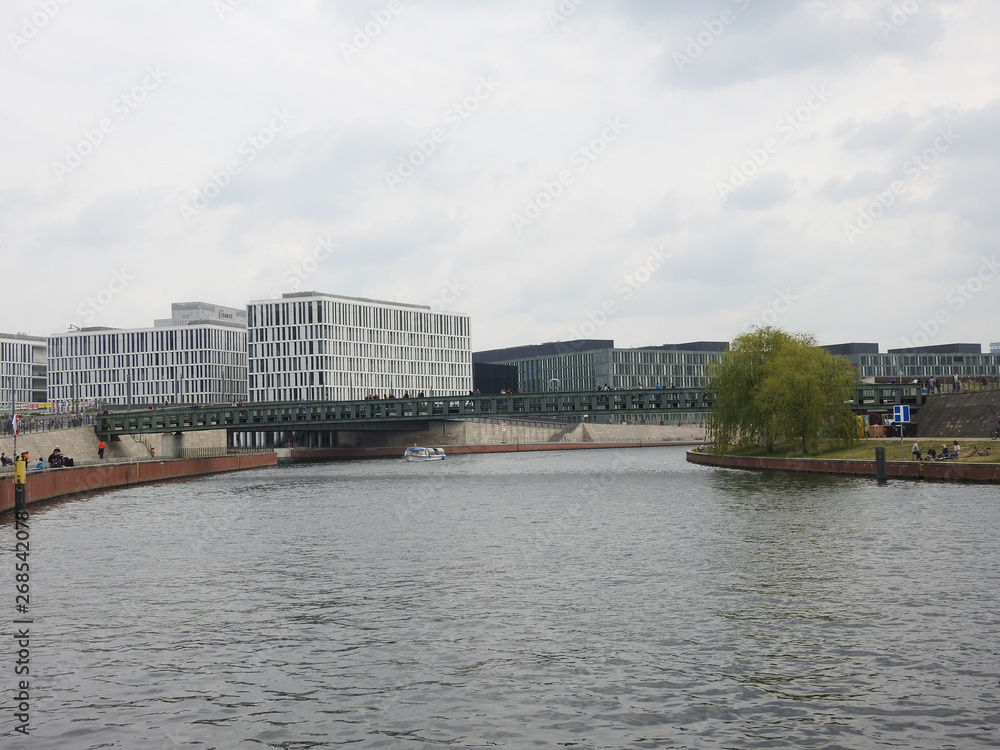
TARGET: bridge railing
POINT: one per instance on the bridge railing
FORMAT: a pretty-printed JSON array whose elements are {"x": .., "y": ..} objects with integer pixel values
[{"x": 280, "y": 415}]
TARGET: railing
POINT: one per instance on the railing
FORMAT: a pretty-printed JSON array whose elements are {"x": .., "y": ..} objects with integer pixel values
[
  {"x": 44, "y": 423},
  {"x": 218, "y": 452},
  {"x": 255, "y": 417},
  {"x": 310, "y": 415}
]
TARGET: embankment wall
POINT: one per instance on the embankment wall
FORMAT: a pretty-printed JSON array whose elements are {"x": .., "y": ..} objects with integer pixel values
[
  {"x": 969, "y": 414},
  {"x": 80, "y": 443},
  {"x": 947, "y": 471},
  {"x": 48, "y": 484}
]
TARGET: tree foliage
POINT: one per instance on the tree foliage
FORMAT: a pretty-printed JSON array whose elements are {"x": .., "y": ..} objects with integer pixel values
[{"x": 772, "y": 386}]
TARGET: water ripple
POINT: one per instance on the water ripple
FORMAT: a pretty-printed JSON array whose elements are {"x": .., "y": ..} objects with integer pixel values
[{"x": 606, "y": 599}]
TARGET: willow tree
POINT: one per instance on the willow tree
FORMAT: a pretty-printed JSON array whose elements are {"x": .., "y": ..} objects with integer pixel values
[{"x": 773, "y": 386}]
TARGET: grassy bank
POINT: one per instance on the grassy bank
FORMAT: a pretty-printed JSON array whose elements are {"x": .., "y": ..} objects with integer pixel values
[{"x": 865, "y": 449}]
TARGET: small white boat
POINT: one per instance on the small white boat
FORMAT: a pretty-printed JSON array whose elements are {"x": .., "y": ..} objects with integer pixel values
[{"x": 424, "y": 454}]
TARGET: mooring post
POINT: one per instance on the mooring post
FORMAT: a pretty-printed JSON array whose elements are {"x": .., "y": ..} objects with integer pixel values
[
  {"x": 20, "y": 475},
  {"x": 880, "y": 464}
]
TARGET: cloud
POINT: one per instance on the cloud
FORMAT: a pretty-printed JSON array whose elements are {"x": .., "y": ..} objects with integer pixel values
[{"x": 391, "y": 108}]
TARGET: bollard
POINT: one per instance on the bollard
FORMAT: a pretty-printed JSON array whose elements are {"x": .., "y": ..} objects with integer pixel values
[
  {"x": 880, "y": 464},
  {"x": 20, "y": 476}
]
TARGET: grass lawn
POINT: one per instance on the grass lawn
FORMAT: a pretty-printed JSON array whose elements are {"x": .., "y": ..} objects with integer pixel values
[{"x": 865, "y": 449}]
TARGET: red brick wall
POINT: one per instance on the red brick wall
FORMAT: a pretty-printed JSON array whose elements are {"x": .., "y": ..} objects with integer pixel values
[
  {"x": 942, "y": 470},
  {"x": 52, "y": 483}
]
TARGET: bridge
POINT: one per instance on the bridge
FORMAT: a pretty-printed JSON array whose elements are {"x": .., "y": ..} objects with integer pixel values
[{"x": 600, "y": 406}]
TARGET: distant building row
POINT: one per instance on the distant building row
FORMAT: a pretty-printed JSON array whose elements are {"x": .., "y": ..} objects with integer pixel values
[
  {"x": 588, "y": 364},
  {"x": 312, "y": 346},
  {"x": 303, "y": 346}
]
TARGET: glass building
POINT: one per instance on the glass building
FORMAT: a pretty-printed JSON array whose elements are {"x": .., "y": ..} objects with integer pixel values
[
  {"x": 942, "y": 361},
  {"x": 588, "y": 364}
]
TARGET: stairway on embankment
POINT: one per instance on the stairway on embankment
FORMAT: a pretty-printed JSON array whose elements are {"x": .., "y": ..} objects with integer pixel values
[{"x": 970, "y": 414}]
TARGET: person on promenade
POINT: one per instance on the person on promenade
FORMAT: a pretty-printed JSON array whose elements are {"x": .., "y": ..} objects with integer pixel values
[
  {"x": 931, "y": 454},
  {"x": 915, "y": 451},
  {"x": 4, "y": 461},
  {"x": 100, "y": 449}
]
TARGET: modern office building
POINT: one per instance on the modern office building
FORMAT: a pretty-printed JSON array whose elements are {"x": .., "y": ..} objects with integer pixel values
[
  {"x": 196, "y": 356},
  {"x": 995, "y": 348},
  {"x": 316, "y": 346},
  {"x": 22, "y": 369},
  {"x": 588, "y": 364},
  {"x": 940, "y": 361}
]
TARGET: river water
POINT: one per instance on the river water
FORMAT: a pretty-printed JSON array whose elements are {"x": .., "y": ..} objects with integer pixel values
[{"x": 586, "y": 599}]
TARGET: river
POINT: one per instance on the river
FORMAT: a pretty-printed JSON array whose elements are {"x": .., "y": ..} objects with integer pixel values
[{"x": 585, "y": 599}]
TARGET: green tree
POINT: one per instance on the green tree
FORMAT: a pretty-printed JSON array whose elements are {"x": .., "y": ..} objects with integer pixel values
[{"x": 774, "y": 386}]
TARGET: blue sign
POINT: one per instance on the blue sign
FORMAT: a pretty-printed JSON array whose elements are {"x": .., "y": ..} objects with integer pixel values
[{"x": 901, "y": 413}]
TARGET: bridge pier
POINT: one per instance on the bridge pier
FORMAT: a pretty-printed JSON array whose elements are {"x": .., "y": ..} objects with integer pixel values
[{"x": 171, "y": 445}]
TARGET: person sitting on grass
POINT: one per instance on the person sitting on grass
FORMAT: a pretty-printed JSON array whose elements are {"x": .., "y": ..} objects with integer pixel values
[
  {"x": 946, "y": 454},
  {"x": 931, "y": 454}
]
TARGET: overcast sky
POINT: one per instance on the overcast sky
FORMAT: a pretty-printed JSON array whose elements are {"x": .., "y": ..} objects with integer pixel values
[{"x": 649, "y": 172}]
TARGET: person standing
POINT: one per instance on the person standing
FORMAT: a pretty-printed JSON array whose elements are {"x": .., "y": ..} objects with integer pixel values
[{"x": 100, "y": 449}]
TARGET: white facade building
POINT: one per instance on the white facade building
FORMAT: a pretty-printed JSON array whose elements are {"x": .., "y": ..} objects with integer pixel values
[
  {"x": 22, "y": 369},
  {"x": 196, "y": 356},
  {"x": 324, "y": 347}
]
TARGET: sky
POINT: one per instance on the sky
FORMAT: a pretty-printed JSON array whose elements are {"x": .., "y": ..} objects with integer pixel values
[{"x": 648, "y": 172}]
